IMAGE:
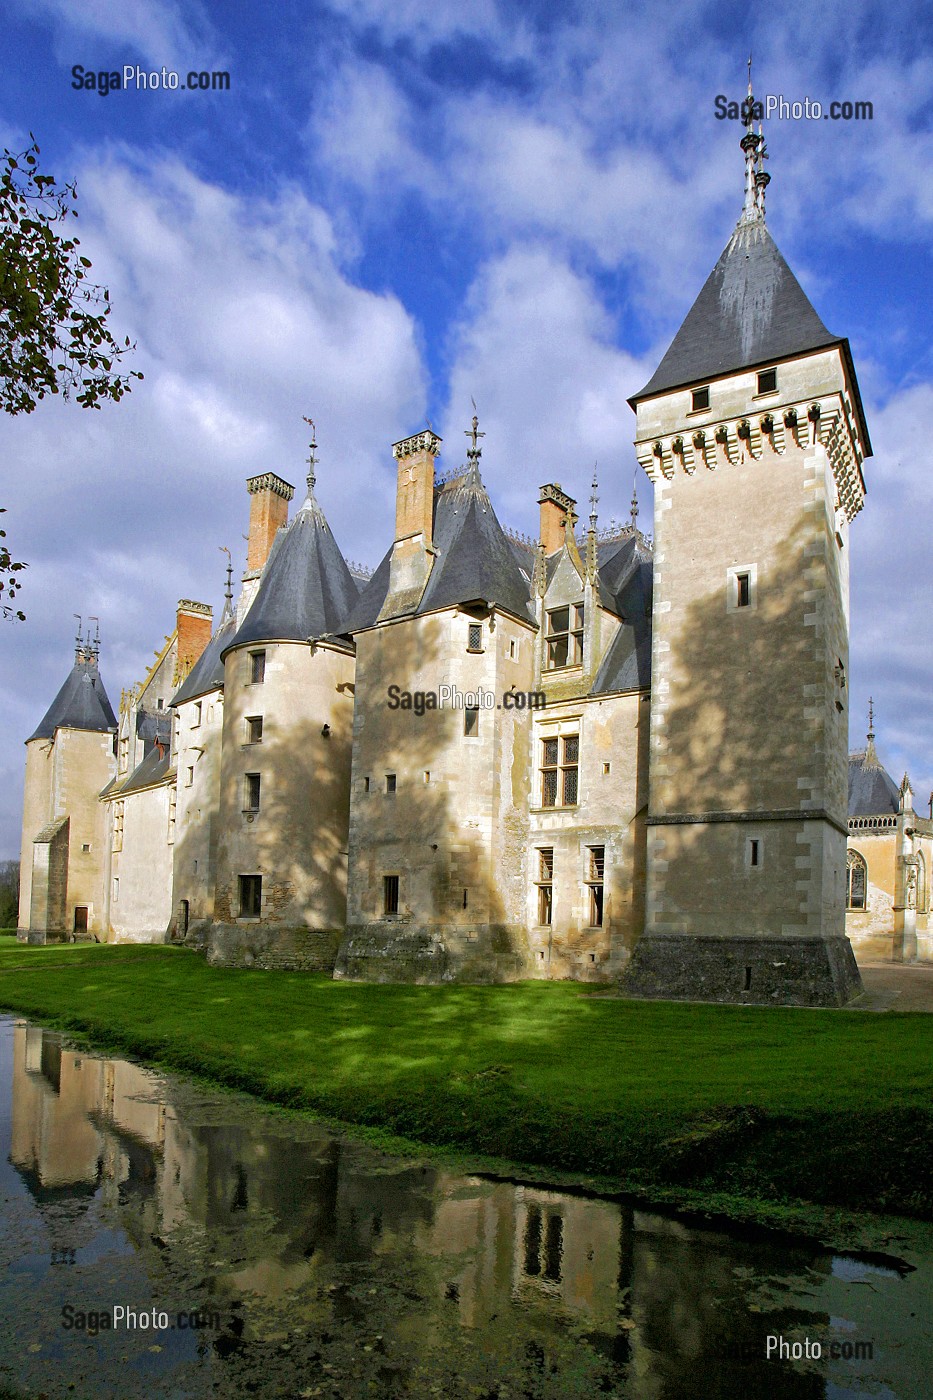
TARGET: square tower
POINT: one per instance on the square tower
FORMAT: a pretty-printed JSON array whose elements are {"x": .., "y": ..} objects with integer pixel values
[{"x": 753, "y": 433}]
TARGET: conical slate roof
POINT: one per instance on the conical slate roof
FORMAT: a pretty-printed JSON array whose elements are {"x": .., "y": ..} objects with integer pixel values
[
  {"x": 751, "y": 311},
  {"x": 81, "y": 703},
  {"x": 872, "y": 790},
  {"x": 474, "y": 561},
  {"x": 307, "y": 592}
]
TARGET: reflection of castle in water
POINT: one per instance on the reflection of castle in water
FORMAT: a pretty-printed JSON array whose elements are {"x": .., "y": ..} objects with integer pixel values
[{"x": 285, "y": 1209}]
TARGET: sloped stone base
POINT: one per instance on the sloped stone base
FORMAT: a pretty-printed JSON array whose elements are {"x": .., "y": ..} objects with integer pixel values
[
  {"x": 394, "y": 953},
  {"x": 255, "y": 945},
  {"x": 743, "y": 971}
]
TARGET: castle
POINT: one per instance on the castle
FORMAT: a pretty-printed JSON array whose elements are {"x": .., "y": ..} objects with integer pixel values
[{"x": 587, "y": 756}]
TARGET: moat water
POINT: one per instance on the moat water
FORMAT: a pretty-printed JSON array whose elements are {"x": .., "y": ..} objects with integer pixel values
[{"x": 272, "y": 1257}]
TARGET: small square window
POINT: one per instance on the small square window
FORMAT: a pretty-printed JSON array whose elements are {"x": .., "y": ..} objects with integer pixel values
[
  {"x": 391, "y": 783},
  {"x": 700, "y": 399},
  {"x": 160, "y": 703},
  {"x": 250, "y": 896},
  {"x": 475, "y": 637},
  {"x": 390, "y": 894},
  {"x": 471, "y": 721},
  {"x": 257, "y": 667},
  {"x": 767, "y": 381},
  {"x": 607, "y": 769},
  {"x": 254, "y": 729},
  {"x": 86, "y": 847}
]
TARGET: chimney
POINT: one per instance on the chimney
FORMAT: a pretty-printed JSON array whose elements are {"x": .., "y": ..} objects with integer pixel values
[
  {"x": 193, "y": 625},
  {"x": 268, "y": 510},
  {"x": 413, "y": 551},
  {"x": 414, "y": 501},
  {"x": 557, "y": 509}
]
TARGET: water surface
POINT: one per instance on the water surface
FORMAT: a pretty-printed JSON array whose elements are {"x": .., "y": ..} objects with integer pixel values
[{"x": 323, "y": 1268}]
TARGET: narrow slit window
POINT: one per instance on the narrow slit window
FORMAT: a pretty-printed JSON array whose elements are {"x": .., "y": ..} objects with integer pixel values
[
  {"x": 391, "y": 783},
  {"x": 753, "y": 853},
  {"x": 390, "y": 894},
  {"x": 471, "y": 721},
  {"x": 743, "y": 590},
  {"x": 252, "y": 791},
  {"x": 257, "y": 667}
]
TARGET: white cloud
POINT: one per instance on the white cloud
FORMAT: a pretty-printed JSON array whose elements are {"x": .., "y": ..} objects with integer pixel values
[
  {"x": 536, "y": 350},
  {"x": 157, "y": 31},
  {"x": 245, "y": 320}
]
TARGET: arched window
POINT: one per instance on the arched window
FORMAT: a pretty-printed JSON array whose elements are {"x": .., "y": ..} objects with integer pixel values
[{"x": 856, "y": 881}]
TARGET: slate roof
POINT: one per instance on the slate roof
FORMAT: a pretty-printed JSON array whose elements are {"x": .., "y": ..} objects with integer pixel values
[
  {"x": 751, "y": 311},
  {"x": 81, "y": 703},
  {"x": 207, "y": 673},
  {"x": 306, "y": 590},
  {"x": 872, "y": 790},
  {"x": 154, "y": 768},
  {"x": 626, "y": 572},
  {"x": 475, "y": 561}
]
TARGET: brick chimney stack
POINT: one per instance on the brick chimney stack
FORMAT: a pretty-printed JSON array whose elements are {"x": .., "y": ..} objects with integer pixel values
[
  {"x": 557, "y": 508},
  {"x": 413, "y": 552},
  {"x": 193, "y": 624},
  {"x": 268, "y": 510}
]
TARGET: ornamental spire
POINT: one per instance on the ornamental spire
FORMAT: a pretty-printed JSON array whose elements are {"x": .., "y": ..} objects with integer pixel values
[
  {"x": 228, "y": 590},
  {"x": 312, "y": 459},
  {"x": 594, "y": 500},
  {"x": 753, "y": 144},
  {"x": 871, "y": 756},
  {"x": 474, "y": 451},
  {"x": 634, "y": 505}
]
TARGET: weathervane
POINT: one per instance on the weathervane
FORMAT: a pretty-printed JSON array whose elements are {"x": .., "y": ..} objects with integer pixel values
[
  {"x": 635, "y": 489},
  {"x": 312, "y": 460},
  {"x": 594, "y": 499},
  {"x": 228, "y": 591},
  {"x": 753, "y": 144},
  {"x": 474, "y": 451}
]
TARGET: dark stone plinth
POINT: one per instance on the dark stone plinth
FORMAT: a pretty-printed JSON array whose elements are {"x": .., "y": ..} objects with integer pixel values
[
  {"x": 743, "y": 971},
  {"x": 288, "y": 949},
  {"x": 395, "y": 952}
]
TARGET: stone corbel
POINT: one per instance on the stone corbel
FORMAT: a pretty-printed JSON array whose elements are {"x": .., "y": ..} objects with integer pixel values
[
  {"x": 725, "y": 446},
  {"x": 749, "y": 439},
  {"x": 665, "y": 464},
  {"x": 814, "y": 414},
  {"x": 704, "y": 451},
  {"x": 684, "y": 452},
  {"x": 772, "y": 433},
  {"x": 792, "y": 425}
]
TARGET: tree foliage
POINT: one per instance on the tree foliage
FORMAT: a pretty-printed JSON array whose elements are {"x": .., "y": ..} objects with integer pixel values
[{"x": 54, "y": 337}]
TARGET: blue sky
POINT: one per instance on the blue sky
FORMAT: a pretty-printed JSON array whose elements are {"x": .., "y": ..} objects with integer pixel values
[{"x": 402, "y": 203}]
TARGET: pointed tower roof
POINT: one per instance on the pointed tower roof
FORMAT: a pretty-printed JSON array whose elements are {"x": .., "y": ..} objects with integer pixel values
[
  {"x": 751, "y": 310},
  {"x": 872, "y": 790},
  {"x": 307, "y": 591},
  {"x": 82, "y": 702},
  {"x": 474, "y": 562}
]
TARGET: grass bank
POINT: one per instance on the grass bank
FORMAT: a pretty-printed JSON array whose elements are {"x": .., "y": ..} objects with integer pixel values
[{"x": 766, "y": 1113}]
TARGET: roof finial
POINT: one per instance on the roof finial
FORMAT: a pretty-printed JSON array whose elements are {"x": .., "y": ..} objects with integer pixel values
[
  {"x": 93, "y": 647},
  {"x": 594, "y": 499},
  {"x": 312, "y": 460},
  {"x": 871, "y": 755},
  {"x": 228, "y": 589},
  {"x": 79, "y": 639},
  {"x": 474, "y": 451},
  {"x": 634, "y": 501},
  {"x": 751, "y": 143}
]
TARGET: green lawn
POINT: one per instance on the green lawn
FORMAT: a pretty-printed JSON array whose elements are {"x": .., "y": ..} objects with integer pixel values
[{"x": 772, "y": 1107}]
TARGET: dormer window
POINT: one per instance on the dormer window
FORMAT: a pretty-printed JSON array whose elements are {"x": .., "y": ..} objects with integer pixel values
[
  {"x": 565, "y": 637},
  {"x": 700, "y": 399},
  {"x": 767, "y": 381}
]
